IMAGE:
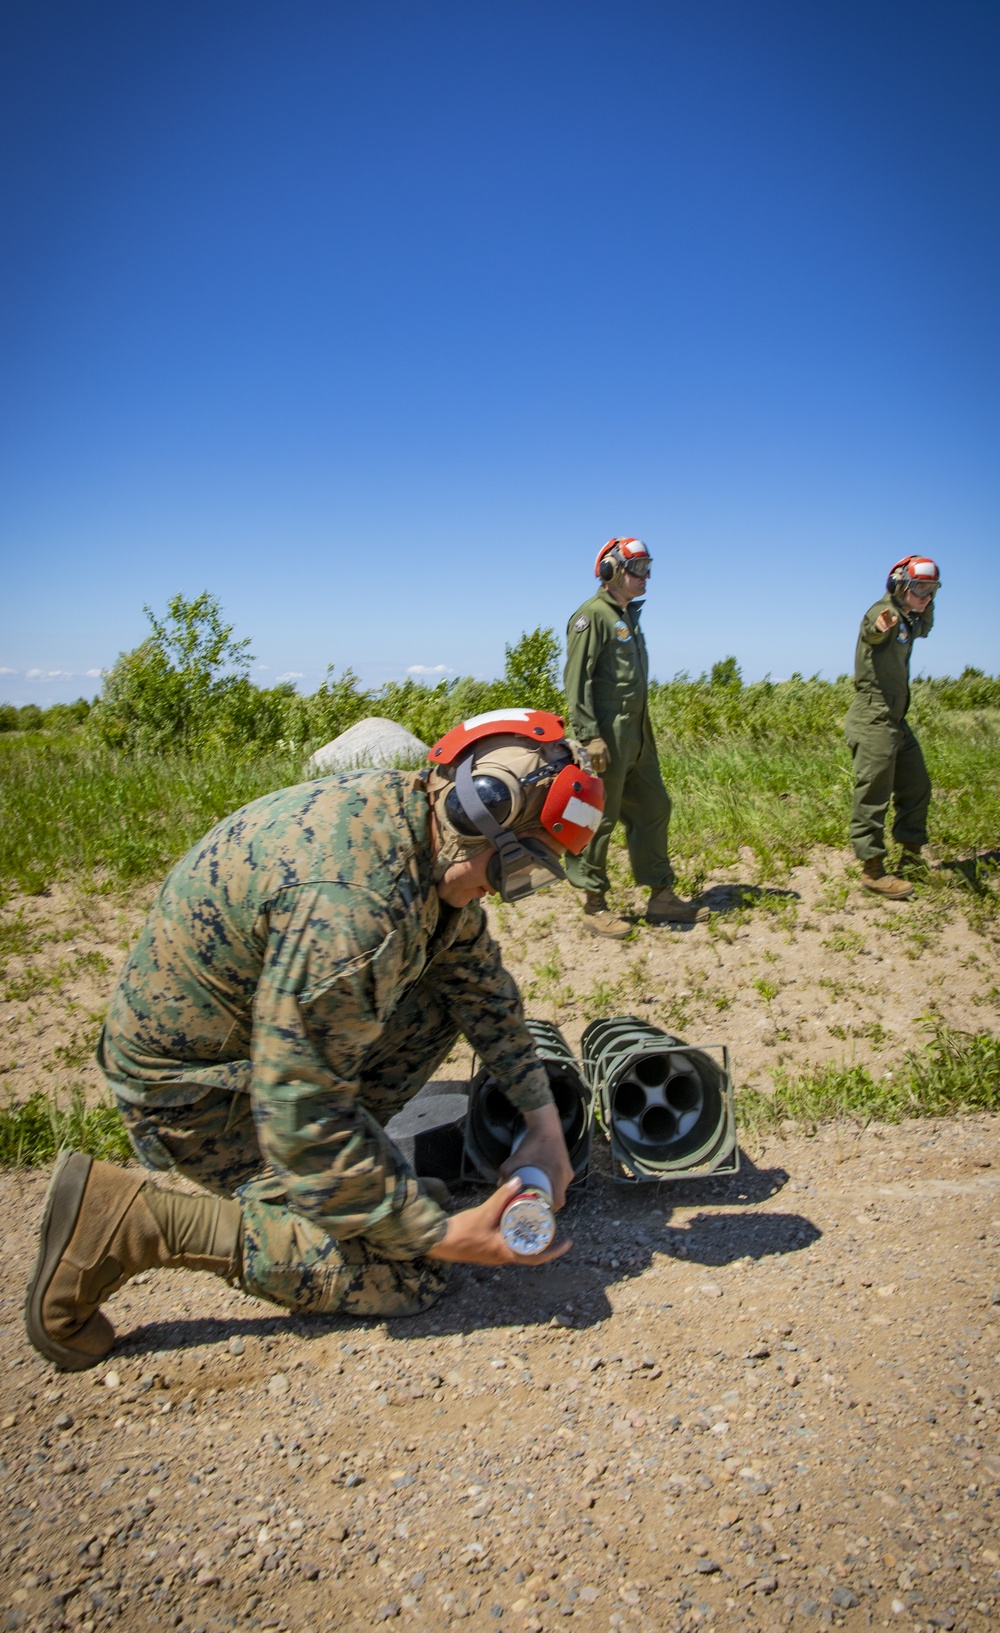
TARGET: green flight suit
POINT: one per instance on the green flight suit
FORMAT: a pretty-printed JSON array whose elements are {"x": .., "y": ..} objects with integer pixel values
[
  {"x": 607, "y": 680},
  {"x": 888, "y": 763},
  {"x": 298, "y": 979}
]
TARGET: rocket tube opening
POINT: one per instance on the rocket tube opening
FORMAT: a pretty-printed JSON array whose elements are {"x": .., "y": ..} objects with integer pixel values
[
  {"x": 652, "y": 1070},
  {"x": 683, "y": 1091},
  {"x": 658, "y": 1124},
  {"x": 630, "y": 1100}
]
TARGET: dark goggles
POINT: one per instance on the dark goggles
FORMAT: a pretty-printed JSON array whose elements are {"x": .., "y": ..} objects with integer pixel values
[
  {"x": 638, "y": 566},
  {"x": 520, "y": 866}
]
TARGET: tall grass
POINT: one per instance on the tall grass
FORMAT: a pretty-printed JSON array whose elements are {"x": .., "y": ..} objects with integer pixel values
[
  {"x": 70, "y": 806},
  {"x": 783, "y": 795},
  {"x": 33, "y": 1131},
  {"x": 762, "y": 766},
  {"x": 953, "y": 1072}
]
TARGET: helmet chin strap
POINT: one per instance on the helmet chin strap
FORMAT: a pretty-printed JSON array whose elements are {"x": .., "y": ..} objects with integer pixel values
[{"x": 511, "y": 852}]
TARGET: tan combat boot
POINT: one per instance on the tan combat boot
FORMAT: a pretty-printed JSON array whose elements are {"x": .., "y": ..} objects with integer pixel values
[
  {"x": 101, "y": 1226},
  {"x": 599, "y": 919},
  {"x": 875, "y": 878},
  {"x": 664, "y": 907}
]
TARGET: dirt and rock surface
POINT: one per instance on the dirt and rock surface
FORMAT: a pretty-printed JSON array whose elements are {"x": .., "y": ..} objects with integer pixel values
[{"x": 746, "y": 1402}]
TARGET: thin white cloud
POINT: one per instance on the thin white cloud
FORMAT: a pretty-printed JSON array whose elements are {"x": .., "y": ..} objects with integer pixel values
[
  {"x": 6, "y": 671},
  {"x": 94, "y": 674},
  {"x": 290, "y": 674},
  {"x": 58, "y": 674},
  {"x": 34, "y": 674},
  {"x": 421, "y": 669}
]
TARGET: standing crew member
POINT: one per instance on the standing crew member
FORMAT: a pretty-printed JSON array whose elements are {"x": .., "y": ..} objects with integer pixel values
[
  {"x": 303, "y": 971},
  {"x": 887, "y": 759},
  {"x": 606, "y": 679}
]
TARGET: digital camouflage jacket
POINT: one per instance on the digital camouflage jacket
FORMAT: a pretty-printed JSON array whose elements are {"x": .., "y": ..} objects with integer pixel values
[
  {"x": 607, "y": 667},
  {"x": 272, "y": 956},
  {"x": 882, "y": 660}
]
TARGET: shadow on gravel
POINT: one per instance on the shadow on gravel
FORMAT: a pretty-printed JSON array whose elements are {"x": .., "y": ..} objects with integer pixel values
[
  {"x": 571, "y": 1292},
  {"x": 723, "y": 1238},
  {"x": 171, "y": 1337}
]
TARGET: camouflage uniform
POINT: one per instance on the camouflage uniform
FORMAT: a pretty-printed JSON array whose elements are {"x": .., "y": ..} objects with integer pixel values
[
  {"x": 296, "y": 981},
  {"x": 606, "y": 679},
  {"x": 888, "y": 762}
]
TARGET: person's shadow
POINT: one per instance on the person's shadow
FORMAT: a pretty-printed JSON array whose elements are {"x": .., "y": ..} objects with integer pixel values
[
  {"x": 571, "y": 1292},
  {"x": 730, "y": 898},
  {"x": 973, "y": 871}
]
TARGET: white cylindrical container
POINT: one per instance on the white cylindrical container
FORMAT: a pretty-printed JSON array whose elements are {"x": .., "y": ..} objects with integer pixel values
[{"x": 528, "y": 1222}]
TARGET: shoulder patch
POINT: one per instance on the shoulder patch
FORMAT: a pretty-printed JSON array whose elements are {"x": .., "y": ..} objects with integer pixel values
[{"x": 581, "y": 624}]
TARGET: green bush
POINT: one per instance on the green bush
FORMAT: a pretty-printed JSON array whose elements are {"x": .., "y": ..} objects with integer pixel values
[{"x": 168, "y": 692}]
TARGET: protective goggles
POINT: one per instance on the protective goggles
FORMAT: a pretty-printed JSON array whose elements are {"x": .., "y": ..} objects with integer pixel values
[
  {"x": 520, "y": 866},
  {"x": 924, "y": 587},
  {"x": 638, "y": 566}
]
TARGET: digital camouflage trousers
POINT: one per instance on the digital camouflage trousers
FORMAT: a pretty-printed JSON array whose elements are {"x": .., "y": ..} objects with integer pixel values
[{"x": 287, "y": 1259}]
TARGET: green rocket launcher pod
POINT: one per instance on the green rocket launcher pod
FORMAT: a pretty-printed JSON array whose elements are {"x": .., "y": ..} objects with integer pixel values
[
  {"x": 666, "y": 1106},
  {"x": 492, "y": 1124}
]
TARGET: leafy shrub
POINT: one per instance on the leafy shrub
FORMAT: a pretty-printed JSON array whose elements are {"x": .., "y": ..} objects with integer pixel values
[
  {"x": 170, "y": 691},
  {"x": 57, "y": 717}
]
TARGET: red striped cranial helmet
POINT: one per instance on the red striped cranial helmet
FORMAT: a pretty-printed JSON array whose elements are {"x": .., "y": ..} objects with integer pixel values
[
  {"x": 917, "y": 573},
  {"x": 622, "y": 555},
  {"x": 511, "y": 779}
]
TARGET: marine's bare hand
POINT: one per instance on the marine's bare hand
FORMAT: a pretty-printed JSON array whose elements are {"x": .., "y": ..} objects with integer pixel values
[
  {"x": 473, "y": 1237},
  {"x": 885, "y": 620}
]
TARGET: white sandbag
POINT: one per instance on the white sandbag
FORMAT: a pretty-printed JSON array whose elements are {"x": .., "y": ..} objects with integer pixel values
[{"x": 370, "y": 743}]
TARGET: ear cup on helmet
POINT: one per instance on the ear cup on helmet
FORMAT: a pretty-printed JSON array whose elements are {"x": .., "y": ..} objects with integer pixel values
[
  {"x": 609, "y": 566},
  {"x": 496, "y": 797}
]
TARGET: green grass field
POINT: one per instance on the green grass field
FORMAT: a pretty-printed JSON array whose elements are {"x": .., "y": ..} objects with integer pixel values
[{"x": 763, "y": 767}]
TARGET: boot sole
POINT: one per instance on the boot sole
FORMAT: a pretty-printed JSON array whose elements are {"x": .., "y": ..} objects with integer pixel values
[
  {"x": 887, "y": 895},
  {"x": 62, "y": 1209}
]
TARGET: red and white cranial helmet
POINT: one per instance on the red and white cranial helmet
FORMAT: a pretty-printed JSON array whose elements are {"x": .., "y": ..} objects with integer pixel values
[
  {"x": 917, "y": 573},
  {"x": 505, "y": 776},
  {"x": 623, "y": 555}
]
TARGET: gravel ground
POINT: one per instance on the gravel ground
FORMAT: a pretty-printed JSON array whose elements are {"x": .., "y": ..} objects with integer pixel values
[{"x": 750, "y": 1403}]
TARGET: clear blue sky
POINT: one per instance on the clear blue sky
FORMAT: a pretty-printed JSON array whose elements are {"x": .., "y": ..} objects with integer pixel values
[{"x": 377, "y": 318}]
